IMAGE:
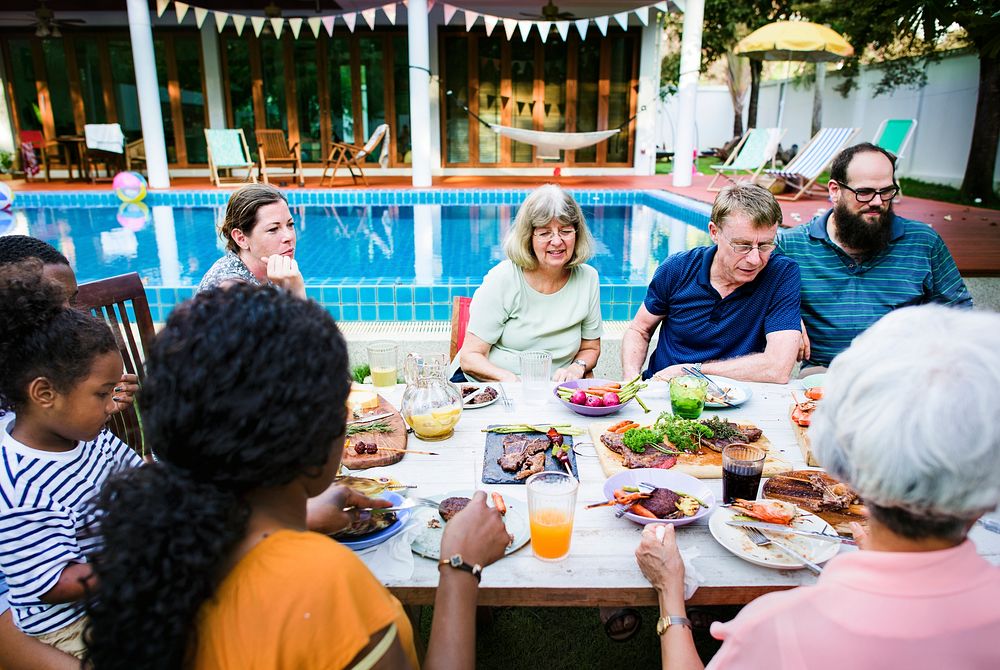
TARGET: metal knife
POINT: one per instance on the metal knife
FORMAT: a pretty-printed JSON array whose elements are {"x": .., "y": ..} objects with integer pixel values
[
  {"x": 373, "y": 417},
  {"x": 778, "y": 528}
]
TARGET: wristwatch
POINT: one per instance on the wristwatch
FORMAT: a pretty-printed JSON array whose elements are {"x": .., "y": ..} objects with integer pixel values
[
  {"x": 697, "y": 367},
  {"x": 582, "y": 363},
  {"x": 458, "y": 563},
  {"x": 665, "y": 622}
]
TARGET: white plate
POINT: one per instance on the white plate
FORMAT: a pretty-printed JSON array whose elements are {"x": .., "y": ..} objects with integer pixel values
[
  {"x": 735, "y": 540},
  {"x": 738, "y": 393},
  {"x": 481, "y": 387},
  {"x": 813, "y": 381},
  {"x": 678, "y": 482},
  {"x": 427, "y": 542}
]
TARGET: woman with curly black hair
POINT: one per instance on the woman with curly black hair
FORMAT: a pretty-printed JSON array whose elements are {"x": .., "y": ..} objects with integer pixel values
[{"x": 208, "y": 562}]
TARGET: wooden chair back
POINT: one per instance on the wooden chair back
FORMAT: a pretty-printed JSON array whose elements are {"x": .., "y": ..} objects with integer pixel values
[
  {"x": 121, "y": 301},
  {"x": 273, "y": 144},
  {"x": 459, "y": 323}
]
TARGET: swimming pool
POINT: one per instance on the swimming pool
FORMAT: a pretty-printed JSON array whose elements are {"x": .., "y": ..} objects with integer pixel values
[{"x": 365, "y": 255}]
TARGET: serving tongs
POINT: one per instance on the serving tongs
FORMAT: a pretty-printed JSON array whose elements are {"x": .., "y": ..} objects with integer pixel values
[{"x": 718, "y": 390}]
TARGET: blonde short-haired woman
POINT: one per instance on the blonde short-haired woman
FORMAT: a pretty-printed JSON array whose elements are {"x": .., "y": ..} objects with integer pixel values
[{"x": 543, "y": 297}]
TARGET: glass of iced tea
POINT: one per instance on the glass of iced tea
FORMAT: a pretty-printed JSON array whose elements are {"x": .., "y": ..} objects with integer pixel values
[
  {"x": 742, "y": 466},
  {"x": 382, "y": 357},
  {"x": 551, "y": 504},
  {"x": 687, "y": 396}
]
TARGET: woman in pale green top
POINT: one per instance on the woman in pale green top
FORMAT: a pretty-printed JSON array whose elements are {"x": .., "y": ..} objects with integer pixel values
[{"x": 542, "y": 298}]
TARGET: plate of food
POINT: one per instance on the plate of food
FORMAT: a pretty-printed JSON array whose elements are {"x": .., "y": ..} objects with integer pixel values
[
  {"x": 374, "y": 529},
  {"x": 813, "y": 381},
  {"x": 597, "y": 397},
  {"x": 675, "y": 498},
  {"x": 431, "y": 521},
  {"x": 475, "y": 396},
  {"x": 736, "y": 540},
  {"x": 734, "y": 393}
]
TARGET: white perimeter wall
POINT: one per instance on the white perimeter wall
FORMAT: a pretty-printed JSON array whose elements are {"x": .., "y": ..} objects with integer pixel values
[{"x": 945, "y": 110}]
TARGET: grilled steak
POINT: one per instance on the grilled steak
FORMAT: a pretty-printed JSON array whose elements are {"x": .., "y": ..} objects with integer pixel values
[
  {"x": 651, "y": 458},
  {"x": 743, "y": 434},
  {"x": 367, "y": 523},
  {"x": 449, "y": 507},
  {"x": 517, "y": 449},
  {"x": 662, "y": 503},
  {"x": 614, "y": 442},
  {"x": 535, "y": 463},
  {"x": 484, "y": 394}
]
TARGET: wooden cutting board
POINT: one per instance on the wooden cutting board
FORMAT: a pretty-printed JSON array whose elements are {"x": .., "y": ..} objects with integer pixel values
[
  {"x": 706, "y": 465},
  {"x": 396, "y": 440},
  {"x": 805, "y": 444},
  {"x": 795, "y": 487}
]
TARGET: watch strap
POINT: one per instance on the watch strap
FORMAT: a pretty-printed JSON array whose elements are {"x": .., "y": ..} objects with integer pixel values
[
  {"x": 666, "y": 622},
  {"x": 459, "y": 563},
  {"x": 582, "y": 363}
]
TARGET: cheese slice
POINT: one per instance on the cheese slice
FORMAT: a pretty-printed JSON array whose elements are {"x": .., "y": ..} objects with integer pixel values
[{"x": 361, "y": 399}]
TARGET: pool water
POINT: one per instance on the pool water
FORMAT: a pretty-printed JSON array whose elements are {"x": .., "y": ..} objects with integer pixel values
[{"x": 362, "y": 261}]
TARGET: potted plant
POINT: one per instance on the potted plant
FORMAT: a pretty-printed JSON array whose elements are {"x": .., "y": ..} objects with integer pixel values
[{"x": 6, "y": 164}]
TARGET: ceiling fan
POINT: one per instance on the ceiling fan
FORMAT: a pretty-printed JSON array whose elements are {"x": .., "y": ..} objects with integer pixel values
[
  {"x": 45, "y": 21},
  {"x": 551, "y": 13}
]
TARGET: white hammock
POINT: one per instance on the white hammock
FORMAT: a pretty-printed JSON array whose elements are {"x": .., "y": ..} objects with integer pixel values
[{"x": 549, "y": 144}]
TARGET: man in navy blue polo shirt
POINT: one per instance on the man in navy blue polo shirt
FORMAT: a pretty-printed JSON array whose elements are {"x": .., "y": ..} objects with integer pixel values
[
  {"x": 860, "y": 261},
  {"x": 731, "y": 309}
]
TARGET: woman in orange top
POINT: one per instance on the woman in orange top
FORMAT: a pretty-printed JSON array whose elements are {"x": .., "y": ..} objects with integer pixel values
[{"x": 208, "y": 562}]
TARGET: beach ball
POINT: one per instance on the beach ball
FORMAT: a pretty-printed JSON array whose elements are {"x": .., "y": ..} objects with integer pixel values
[
  {"x": 133, "y": 216},
  {"x": 129, "y": 186},
  {"x": 6, "y": 196}
]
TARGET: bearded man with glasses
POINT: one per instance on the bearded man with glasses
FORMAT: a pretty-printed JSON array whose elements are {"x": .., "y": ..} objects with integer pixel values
[{"x": 860, "y": 261}]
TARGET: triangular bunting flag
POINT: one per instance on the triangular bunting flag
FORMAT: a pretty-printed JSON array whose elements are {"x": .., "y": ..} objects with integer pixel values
[
  {"x": 520, "y": 107},
  {"x": 369, "y": 16},
  {"x": 390, "y": 12},
  {"x": 199, "y": 16},
  {"x": 315, "y": 23},
  {"x": 258, "y": 24},
  {"x": 581, "y": 27},
  {"x": 182, "y": 9},
  {"x": 491, "y": 23},
  {"x": 662, "y": 6},
  {"x": 220, "y": 20},
  {"x": 543, "y": 29},
  {"x": 643, "y": 14},
  {"x": 276, "y": 25},
  {"x": 238, "y": 22},
  {"x": 470, "y": 20},
  {"x": 524, "y": 27},
  {"x": 328, "y": 24},
  {"x": 531, "y": 106},
  {"x": 449, "y": 12},
  {"x": 161, "y": 6},
  {"x": 490, "y": 99},
  {"x": 602, "y": 23},
  {"x": 350, "y": 19},
  {"x": 622, "y": 19},
  {"x": 548, "y": 106},
  {"x": 563, "y": 28},
  {"x": 509, "y": 26},
  {"x": 295, "y": 25},
  {"x": 504, "y": 99}
]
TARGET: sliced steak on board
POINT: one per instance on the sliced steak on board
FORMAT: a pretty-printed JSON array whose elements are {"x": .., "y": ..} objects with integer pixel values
[
  {"x": 614, "y": 441},
  {"x": 746, "y": 434},
  {"x": 535, "y": 463},
  {"x": 651, "y": 458}
]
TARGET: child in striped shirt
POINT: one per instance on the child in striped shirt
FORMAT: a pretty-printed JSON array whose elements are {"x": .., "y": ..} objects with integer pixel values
[{"x": 58, "y": 370}]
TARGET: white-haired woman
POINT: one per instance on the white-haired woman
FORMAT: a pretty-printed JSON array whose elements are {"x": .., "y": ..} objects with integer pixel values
[
  {"x": 909, "y": 420},
  {"x": 543, "y": 297}
]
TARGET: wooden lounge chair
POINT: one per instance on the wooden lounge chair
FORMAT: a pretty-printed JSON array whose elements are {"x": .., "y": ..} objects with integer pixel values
[
  {"x": 749, "y": 157},
  {"x": 228, "y": 151},
  {"x": 352, "y": 156},
  {"x": 114, "y": 300},
  {"x": 274, "y": 152},
  {"x": 808, "y": 164},
  {"x": 894, "y": 135},
  {"x": 135, "y": 155}
]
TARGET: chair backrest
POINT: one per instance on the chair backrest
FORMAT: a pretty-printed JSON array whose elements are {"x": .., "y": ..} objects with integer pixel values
[
  {"x": 814, "y": 158},
  {"x": 377, "y": 136},
  {"x": 894, "y": 134},
  {"x": 35, "y": 137},
  {"x": 459, "y": 322},
  {"x": 227, "y": 147},
  {"x": 136, "y": 150},
  {"x": 272, "y": 144},
  {"x": 760, "y": 146},
  {"x": 119, "y": 300}
]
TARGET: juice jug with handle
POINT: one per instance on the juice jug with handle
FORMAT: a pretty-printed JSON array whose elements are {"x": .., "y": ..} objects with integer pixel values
[{"x": 432, "y": 405}]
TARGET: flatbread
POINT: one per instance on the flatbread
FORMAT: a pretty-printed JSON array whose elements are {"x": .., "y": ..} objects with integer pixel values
[{"x": 704, "y": 465}]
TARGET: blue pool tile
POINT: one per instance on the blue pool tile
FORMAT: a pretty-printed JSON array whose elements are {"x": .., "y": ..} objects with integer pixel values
[
  {"x": 331, "y": 295},
  {"x": 404, "y": 295},
  {"x": 314, "y": 293},
  {"x": 349, "y": 312},
  {"x": 422, "y": 294},
  {"x": 622, "y": 294},
  {"x": 334, "y": 311},
  {"x": 367, "y": 295},
  {"x": 441, "y": 312},
  {"x": 638, "y": 294},
  {"x": 606, "y": 294},
  {"x": 440, "y": 294},
  {"x": 384, "y": 294},
  {"x": 621, "y": 312},
  {"x": 368, "y": 313},
  {"x": 386, "y": 312},
  {"x": 422, "y": 312},
  {"x": 349, "y": 295},
  {"x": 404, "y": 312}
]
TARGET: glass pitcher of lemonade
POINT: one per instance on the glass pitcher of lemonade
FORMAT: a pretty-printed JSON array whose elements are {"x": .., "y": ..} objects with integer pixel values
[{"x": 432, "y": 405}]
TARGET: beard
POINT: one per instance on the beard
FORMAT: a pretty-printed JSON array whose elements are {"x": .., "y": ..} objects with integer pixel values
[{"x": 857, "y": 234}]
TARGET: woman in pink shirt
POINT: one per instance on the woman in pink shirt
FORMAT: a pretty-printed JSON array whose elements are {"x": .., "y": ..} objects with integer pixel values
[{"x": 909, "y": 420}]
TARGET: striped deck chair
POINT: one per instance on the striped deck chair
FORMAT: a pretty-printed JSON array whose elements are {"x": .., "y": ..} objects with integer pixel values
[
  {"x": 894, "y": 135},
  {"x": 757, "y": 147},
  {"x": 806, "y": 167},
  {"x": 228, "y": 150}
]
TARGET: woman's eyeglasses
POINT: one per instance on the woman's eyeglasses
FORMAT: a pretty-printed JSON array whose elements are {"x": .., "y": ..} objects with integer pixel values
[
  {"x": 546, "y": 234},
  {"x": 868, "y": 194}
]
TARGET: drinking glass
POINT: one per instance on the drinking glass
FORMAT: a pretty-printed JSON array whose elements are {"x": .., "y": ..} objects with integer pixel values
[
  {"x": 687, "y": 396},
  {"x": 551, "y": 504},
  {"x": 536, "y": 372},
  {"x": 382, "y": 357},
  {"x": 742, "y": 466}
]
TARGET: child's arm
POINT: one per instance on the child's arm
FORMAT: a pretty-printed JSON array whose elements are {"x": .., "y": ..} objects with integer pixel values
[
  {"x": 70, "y": 586},
  {"x": 19, "y": 651}
]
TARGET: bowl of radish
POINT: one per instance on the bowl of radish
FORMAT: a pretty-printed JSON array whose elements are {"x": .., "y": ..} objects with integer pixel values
[{"x": 598, "y": 397}]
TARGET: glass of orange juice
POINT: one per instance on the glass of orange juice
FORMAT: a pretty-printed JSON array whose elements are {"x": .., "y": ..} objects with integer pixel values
[{"x": 551, "y": 504}]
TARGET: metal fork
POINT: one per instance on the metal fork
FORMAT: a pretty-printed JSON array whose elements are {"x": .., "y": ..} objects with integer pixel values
[
  {"x": 507, "y": 404},
  {"x": 620, "y": 512},
  {"x": 762, "y": 540},
  {"x": 715, "y": 387}
]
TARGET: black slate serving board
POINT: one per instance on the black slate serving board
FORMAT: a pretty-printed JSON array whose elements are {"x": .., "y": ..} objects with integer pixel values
[{"x": 494, "y": 474}]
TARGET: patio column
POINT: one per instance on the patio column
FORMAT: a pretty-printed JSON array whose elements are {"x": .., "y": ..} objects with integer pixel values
[
  {"x": 7, "y": 140},
  {"x": 213, "y": 76},
  {"x": 684, "y": 146},
  {"x": 649, "y": 86},
  {"x": 420, "y": 83},
  {"x": 148, "y": 89}
]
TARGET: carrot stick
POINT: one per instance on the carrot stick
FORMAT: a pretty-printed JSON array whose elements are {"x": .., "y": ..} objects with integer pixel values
[{"x": 613, "y": 428}]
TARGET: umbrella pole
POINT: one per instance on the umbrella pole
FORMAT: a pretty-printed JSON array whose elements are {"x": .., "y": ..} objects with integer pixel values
[{"x": 817, "y": 118}]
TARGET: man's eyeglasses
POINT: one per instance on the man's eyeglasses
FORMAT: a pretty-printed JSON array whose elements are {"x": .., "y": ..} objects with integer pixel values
[
  {"x": 868, "y": 194},
  {"x": 546, "y": 234},
  {"x": 764, "y": 248}
]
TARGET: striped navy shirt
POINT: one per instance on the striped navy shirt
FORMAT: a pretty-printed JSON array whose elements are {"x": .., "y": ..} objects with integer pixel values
[
  {"x": 44, "y": 521},
  {"x": 842, "y": 297}
]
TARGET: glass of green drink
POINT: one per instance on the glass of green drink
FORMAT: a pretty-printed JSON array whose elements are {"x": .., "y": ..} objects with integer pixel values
[{"x": 687, "y": 396}]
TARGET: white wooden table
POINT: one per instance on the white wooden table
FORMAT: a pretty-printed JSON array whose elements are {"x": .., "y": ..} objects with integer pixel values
[{"x": 601, "y": 567}]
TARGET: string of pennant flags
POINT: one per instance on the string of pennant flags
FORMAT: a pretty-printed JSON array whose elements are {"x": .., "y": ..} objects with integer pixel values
[{"x": 316, "y": 24}]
